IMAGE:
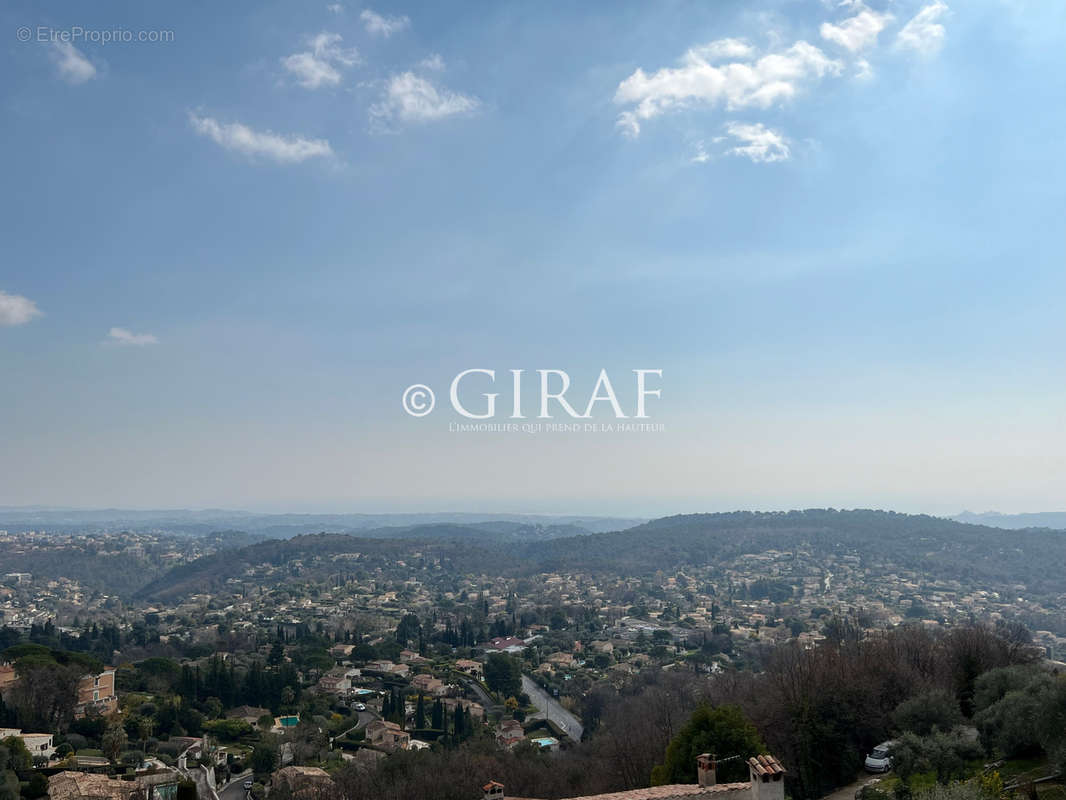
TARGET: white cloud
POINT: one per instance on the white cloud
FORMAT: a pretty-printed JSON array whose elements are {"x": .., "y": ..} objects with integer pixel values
[
  {"x": 72, "y": 64},
  {"x": 433, "y": 62},
  {"x": 757, "y": 142},
  {"x": 723, "y": 49},
  {"x": 125, "y": 337},
  {"x": 411, "y": 98},
  {"x": 242, "y": 139},
  {"x": 701, "y": 156},
  {"x": 761, "y": 83},
  {"x": 335, "y": 8},
  {"x": 863, "y": 70},
  {"x": 16, "y": 309},
  {"x": 924, "y": 33},
  {"x": 856, "y": 33},
  {"x": 380, "y": 25},
  {"x": 322, "y": 64}
]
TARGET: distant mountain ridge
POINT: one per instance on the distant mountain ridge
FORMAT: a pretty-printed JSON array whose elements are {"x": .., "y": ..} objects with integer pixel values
[
  {"x": 205, "y": 522},
  {"x": 1038, "y": 519},
  {"x": 938, "y": 548}
]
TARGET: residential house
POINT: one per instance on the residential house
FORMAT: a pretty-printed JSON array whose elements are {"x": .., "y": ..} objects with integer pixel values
[
  {"x": 475, "y": 710},
  {"x": 411, "y": 657},
  {"x": 302, "y": 781},
  {"x": 387, "y": 735},
  {"x": 341, "y": 650},
  {"x": 387, "y": 668},
  {"x": 472, "y": 668},
  {"x": 335, "y": 682},
  {"x": 504, "y": 644},
  {"x": 564, "y": 660},
  {"x": 96, "y": 693},
  {"x": 427, "y": 684},
  {"x": 509, "y": 733},
  {"x": 86, "y": 786},
  {"x": 39, "y": 744}
]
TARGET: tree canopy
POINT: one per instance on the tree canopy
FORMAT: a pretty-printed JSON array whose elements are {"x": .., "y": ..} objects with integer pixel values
[{"x": 723, "y": 731}]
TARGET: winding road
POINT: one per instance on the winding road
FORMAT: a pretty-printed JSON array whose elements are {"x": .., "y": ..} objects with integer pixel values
[
  {"x": 234, "y": 790},
  {"x": 551, "y": 710}
]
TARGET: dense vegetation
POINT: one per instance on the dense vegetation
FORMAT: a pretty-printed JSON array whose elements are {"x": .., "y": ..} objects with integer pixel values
[{"x": 820, "y": 711}]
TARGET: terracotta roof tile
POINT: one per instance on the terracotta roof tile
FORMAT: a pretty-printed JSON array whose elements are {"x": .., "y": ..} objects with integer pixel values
[
  {"x": 765, "y": 765},
  {"x": 668, "y": 791}
]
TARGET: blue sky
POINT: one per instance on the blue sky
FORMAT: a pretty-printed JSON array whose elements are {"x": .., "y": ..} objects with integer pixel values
[{"x": 836, "y": 228}]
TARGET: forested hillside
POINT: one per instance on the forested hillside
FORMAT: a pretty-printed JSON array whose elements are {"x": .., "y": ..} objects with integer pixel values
[
  {"x": 937, "y": 548},
  {"x": 930, "y": 544}
]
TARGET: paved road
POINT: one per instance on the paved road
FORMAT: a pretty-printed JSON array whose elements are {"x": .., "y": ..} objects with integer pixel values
[
  {"x": 482, "y": 696},
  {"x": 234, "y": 790},
  {"x": 550, "y": 709},
  {"x": 365, "y": 718}
]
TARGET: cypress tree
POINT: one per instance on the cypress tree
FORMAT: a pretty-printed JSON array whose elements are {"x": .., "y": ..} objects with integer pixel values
[
  {"x": 438, "y": 715},
  {"x": 420, "y": 713}
]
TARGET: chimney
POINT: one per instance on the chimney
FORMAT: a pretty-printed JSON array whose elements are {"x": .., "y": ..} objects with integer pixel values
[
  {"x": 767, "y": 778},
  {"x": 707, "y": 769},
  {"x": 493, "y": 790}
]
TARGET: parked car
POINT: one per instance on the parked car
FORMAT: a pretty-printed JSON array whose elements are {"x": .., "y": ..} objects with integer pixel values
[
  {"x": 360, "y": 706},
  {"x": 880, "y": 758},
  {"x": 247, "y": 785}
]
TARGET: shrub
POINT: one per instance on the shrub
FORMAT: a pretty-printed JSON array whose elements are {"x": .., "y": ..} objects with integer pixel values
[
  {"x": 37, "y": 786},
  {"x": 1011, "y": 725},
  {"x": 710, "y": 730},
  {"x": 926, "y": 711},
  {"x": 132, "y": 758}
]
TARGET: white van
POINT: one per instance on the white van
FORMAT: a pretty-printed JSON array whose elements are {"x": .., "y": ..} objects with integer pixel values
[{"x": 880, "y": 758}]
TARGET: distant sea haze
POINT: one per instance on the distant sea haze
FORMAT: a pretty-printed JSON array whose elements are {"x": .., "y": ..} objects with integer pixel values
[{"x": 1038, "y": 519}]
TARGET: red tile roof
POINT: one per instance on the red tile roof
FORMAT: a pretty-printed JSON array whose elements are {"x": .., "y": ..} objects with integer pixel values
[
  {"x": 666, "y": 792},
  {"x": 765, "y": 765}
]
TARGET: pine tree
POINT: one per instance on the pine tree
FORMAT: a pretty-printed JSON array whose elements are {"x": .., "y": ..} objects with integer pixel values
[{"x": 420, "y": 713}]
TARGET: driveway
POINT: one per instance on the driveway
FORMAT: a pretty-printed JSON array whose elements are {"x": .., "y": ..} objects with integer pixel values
[
  {"x": 848, "y": 792},
  {"x": 482, "y": 696}
]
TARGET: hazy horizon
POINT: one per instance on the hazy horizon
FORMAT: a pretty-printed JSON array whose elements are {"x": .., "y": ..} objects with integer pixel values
[{"x": 474, "y": 511}]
